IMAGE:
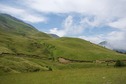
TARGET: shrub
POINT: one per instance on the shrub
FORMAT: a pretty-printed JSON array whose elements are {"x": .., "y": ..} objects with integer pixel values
[
  {"x": 49, "y": 68},
  {"x": 119, "y": 63}
]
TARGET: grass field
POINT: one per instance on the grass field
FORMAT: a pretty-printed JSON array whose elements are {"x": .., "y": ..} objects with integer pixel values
[{"x": 106, "y": 75}]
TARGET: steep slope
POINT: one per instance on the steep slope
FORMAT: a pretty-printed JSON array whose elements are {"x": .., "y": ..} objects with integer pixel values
[
  {"x": 19, "y": 44},
  {"x": 17, "y": 36},
  {"x": 10, "y": 24}
]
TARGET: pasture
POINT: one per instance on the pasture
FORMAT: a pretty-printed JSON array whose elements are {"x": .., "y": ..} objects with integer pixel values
[{"x": 94, "y": 75}]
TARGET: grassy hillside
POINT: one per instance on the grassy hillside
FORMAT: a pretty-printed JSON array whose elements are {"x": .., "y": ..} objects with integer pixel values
[
  {"x": 17, "y": 36},
  {"x": 25, "y": 49},
  {"x": 74, "y": 48},
  {"x": 19, "y": 41},
  {"x": 12, "y": 25}
]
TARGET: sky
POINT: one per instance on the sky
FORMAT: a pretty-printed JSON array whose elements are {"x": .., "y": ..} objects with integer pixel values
[{"x": 92, "y": 20}]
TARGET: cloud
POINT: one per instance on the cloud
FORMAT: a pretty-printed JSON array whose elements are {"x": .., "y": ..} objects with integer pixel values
[
  {"x": 73, "y": 26},
  {"x": 94, "y": 39},
  {"x": 92, "y": 21},
  {"x": 104, "y": 10},
  {"x": 119, "y": 24},
  {"x": 57, "y": 32},
  {"x": 65, "y": 6},
  {"x": 33, "y": 18},
  {"x": 21, "y": 14},
  {"x": 69, "y": 28},
  {"x": 95, "y": 7},
  {"x": 117, "y": 39}
]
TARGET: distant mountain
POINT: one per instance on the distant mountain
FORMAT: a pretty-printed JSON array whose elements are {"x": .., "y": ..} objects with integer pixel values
[
  {"x": 54, "y": 35},
  {"x": 120, "y": 51},
  {"x": 103, "y": 43},
  {"x": 108, "y": 45}
]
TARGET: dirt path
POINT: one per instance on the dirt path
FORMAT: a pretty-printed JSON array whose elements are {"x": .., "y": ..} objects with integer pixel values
[{"x": 63, "y": 60}]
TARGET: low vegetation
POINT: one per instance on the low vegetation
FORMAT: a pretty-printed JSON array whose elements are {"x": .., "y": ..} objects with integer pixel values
[
  {"x": 119, "y": 63},
  {"x": 74, "y": 76}
]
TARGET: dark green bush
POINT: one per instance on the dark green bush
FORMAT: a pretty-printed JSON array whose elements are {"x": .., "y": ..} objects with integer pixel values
[{"x": 119, "y": 63}]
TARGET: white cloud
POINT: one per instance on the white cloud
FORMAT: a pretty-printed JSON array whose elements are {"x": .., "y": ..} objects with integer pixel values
[
  {"x": 104, "y": 10},
  {"x": 91, "y": 21},
  {"x": 95, "y": 7},
  {"x": 94, "y": 39},
  {"x": 22, "y": 14},
  {"x": 119, "y": 24},
  {"x": 69, "y": 27},
  {"x": 57, "y": 32},
  {"x": 116, "y": 35},
  {"x": 65, "y": 6},
  {"x": 11, "y": 10},
  {"x": 117, "y": 39},
  {"x": 32, "y": 18}
]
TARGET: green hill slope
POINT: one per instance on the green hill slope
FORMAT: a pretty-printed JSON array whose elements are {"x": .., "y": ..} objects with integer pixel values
[
  {"x": 17, "y": 36},
  {"x": 25, "y": 49},
  {"x": 19, "y": 41},
  {"x": 74, "y": 48},
  {"x": 12, "y": 25}
]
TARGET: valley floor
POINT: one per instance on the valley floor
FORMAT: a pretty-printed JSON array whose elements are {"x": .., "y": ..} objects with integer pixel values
[{"x": 102, "y": 75}]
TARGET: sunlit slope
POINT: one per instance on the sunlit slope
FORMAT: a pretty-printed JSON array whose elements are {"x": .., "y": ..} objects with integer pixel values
[{"x": 74, "y": 48}]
